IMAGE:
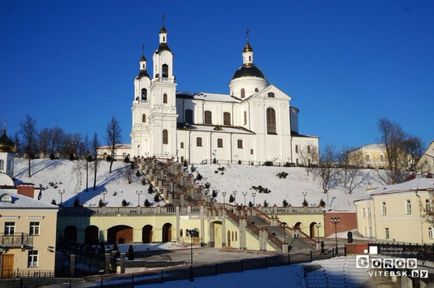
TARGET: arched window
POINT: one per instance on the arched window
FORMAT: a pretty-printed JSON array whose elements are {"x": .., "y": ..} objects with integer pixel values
[
  {"x": 189, "y": 116},
  {"x": 144, "y": 94},
  {"x": 165, "y": 98},
  {"x": 165, "y": 137},
  {"x": 143, "y": 118},
  {"x": 243, "y": 93},
  {"x": 208, "y": 117},
  {"x": 256, "y": 90},
  {"x": 271, "y": 121},
  {"x": 165, "y": 71},
  {"x": 227, "y": 118},
  {"x": 270, "y": 94}
]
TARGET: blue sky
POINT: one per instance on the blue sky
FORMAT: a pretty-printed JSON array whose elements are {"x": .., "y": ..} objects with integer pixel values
[{"x": 345, "y": 63}]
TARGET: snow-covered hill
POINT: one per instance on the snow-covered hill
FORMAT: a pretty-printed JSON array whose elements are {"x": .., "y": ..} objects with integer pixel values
[
  {"x": 70, "y": 176},
  {"x": 241, "y": 178}
]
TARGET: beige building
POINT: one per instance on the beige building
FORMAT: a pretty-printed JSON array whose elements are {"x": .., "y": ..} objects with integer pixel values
[
  {"x": 426, "y": 162},
  {"x": 373, "y": 155},
  {"x": 398, "y": 212}
]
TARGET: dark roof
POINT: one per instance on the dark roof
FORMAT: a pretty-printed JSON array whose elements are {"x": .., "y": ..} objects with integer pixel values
[
  {"x": 162, "y": 47},
  {"x": 142, "y": 73},
  {"x": 6, "y": 145},
  {"x": 163, "y": 29},
  {"x": 250, "y": 70},
  {"x": 295, "y": 134},
  {"x": 247, "y": 48},
  {"x": 143, "y": 58}
]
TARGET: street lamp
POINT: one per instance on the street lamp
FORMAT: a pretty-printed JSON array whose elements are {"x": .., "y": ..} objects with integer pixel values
[
  {"x": 192, "y": 233},
  {"x": 138, "y": 197},
  {"x": 244, "y": 194},
  {"x": 335, "y": 221},
  {"x": 224, "y": 198},
  {"x": 283, "y": 224},
  {"x": 304, "y": 196},
  {"x": 61, "y": 192},
  {"x": 254, "y": 195},
  {"x": 103, "y": 196},
  {"x": 317, "y": 227}
]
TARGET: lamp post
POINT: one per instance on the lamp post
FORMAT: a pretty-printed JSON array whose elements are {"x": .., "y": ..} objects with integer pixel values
[
  {"x": 244, "y": 194},
  {"x": 138, "y": 197},
  {"x": 335, "y": 221},
  {"x": 304, "y": 196},
  {"x": 317, "y": 227},
  {"x": 254, "y": 195},
  {"x": 61, "y": 192},
  {"x": 103, "y": 196},
  {"x": 191, "y": 232},
  {"x": 224, "y": 198},
  {"x": 283, "y": 224}
]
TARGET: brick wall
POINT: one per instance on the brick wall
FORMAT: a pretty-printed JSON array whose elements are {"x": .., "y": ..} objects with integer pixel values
[
  {"x": 348, "y": 221},
  {"x": 26, "y": 190}
]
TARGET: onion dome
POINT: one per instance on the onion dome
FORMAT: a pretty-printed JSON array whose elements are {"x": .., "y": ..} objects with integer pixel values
[
  {"x": 142, "y": 73},
  {"x": 6, "y": 145},
  {"x": 248, "y": 48},
  {"x": 163, "y": 47},
  {"x": 248, "y": 71},
  {"x": 163, "y": 29}
]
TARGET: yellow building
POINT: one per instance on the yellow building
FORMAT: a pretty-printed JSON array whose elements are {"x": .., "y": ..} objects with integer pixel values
[
  {"x": 426, "y": 162},
  {"x": 27, "y": 239},
  {"x": 373, "y": 156},
  {"x": 398, "y": 212}
]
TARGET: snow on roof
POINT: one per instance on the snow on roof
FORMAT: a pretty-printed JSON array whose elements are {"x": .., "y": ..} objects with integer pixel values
[
  {"x": 372, "y": 146},
  {"x": 207, "y": 96},
  {"x": 5, "y": 180},
  {"x": 23, "y": 202},
  {"x": 118, "y": 146}
]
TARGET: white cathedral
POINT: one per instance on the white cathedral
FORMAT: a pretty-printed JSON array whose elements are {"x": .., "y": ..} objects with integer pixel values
[{"x": 253, "y": 124}]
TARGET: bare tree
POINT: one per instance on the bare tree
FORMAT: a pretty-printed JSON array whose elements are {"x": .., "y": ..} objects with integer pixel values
[
  {"x": 113, "y": 135},
  {"x": 350, "y": 165},
  {"x": 88, "y": 158},
  {"x": 94, "y": 148},
  {"x": 29, "y": 134},
  {"x": 309, "y": 158},
  {"x": 399, "y": 148},
  {"x": 55, "y": 140},
  {"x": 44, "y": 139},
  {"x": 327, "y": 171},
  {"x": 71, "y": 146}
]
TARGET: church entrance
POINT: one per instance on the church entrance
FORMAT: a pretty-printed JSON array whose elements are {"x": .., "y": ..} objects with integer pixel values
[
  {"x": 167, "y": 232},
  {"x": 147, "y": 234},
  {"x": 120, "y": 234}
]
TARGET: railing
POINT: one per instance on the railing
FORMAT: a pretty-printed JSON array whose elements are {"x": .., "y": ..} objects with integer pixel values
[
  {"x": 125, "y": 211},
  {"x": 291, "y": 210},
  {"x": 16, "y": 240},
  {"x": 26, "y": 273}
]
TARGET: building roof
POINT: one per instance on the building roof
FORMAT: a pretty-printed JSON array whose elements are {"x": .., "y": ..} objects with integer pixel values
[
  {"x": 372, "y": 146},
  {"x": 163, "y": 47},
  {"x": 207, "y": 96},
  {"x": 21, "y": 202},
  {"x": 215, "y": 128},
  {"x": 247, "y": 47},
  {"x": 6, "y": 145},
  {"x": 142, "y": 73},
  {"x": 296, "y": 134},
  {"x": 248, "y": 71}
]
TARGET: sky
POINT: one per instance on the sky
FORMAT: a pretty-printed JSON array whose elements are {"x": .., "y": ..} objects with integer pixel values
[{"x": 345, "y": 64}]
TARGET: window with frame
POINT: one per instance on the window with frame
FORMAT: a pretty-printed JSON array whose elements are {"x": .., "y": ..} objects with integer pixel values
[
  {"x": 34, "y": 228},
  {"x": 243, "y": 93},
  {"x": 408, "y": 207},
  {"x": 32, "y": 259},
  {"x": 189, "y": 116},
  {"x": 165, "y": 71},
  {"x": 387, "y": 233},
  {"x": 271, "y": 121},
  {"x": 9, "y": 228},
  {"x": 165, "y": 137},
  {"x": 2, "y": 165},
  {"x": 181, "y": 145},
  {"x": 296, "y": 149},
  {"x": 245, "y": 117},
  {"x": 240, "y": 144},
  {"x": 308, "y": 149},
  {"x": 219, "y": 143},
  {"x": 251, "y": 151},
  {"x": 383, "y": 208},
  {"x": 144, "y": 94},
  {"x": 256, "y": 90},
  {"x": 165, "y": 98},
  {"x": 208, "y": 117},
  {"x": 227, "y": 118},
  {"x": 143, "y": 118},
  {"x": 199, "y": 142},
  {"x": 270, "y": 95},
  {"x": 428, "y": 206}
]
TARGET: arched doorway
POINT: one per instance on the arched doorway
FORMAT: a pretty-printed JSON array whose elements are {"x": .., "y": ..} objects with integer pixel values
[
  {"x": 147, "y": 234},
  {"x": 91, "y": 235},
  {"x": 312, "y": 231},
  {"x": 70, "y": 233},
  {"x": 167, "y": 232},
  {"x": 297, "y": 229},
  {"x": 216, "y": 234},
  {"x": 120, "y": 234}
]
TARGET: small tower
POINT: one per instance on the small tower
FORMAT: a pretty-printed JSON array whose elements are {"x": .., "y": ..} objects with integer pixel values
[
  {"x": 163, "y": 59},
  {"x": 7, "y": 150},
  {"x": 142, "y": 81}
]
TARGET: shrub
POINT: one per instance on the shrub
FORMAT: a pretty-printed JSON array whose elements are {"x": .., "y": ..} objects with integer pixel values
[
  {"x": 157, "y": 198},
  {"x": 285, "y": 203},
  {"x": 199, "y": 177},
  {"x": 71, "y": 157},
  {"x": 144, "y": 181},
  {"x": 138, "y": 173},
  {"x": 305, "y": 204},
  {"x": 265, "y": 203},
  {"x": 53, "y": 202},
  {"x": 147, "y": 204},
  {"x": 268, "y": 163},
  {"x": 322, "y": 203},
  {"x": 250, "y": 204},
  {"x": 231, "y": 199},
  {"x": 52, "y": 157},
  {"x": 125, "y": 203},
  {"x": 282, "y": 175},
  {"x": 127, "y": 159},
  {"x": 101, "y": 203}
]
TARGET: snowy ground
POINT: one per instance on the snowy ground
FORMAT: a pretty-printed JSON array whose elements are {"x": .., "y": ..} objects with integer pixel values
[
  {"x": 70, "y": 176},
  {"x": 242, "y": 177}
]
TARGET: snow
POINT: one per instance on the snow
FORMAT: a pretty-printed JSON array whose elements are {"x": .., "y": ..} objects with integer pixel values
[
  {"x": 412, "y": 185},
  {"x": 241, "y": 178}
]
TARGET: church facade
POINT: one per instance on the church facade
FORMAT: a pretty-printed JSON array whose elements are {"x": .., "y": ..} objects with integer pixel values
[{"x": 254, "y": 123}]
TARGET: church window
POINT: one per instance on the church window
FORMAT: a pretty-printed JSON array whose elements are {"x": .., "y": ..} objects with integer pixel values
[
  {"x": 189, "y": 116},
  {"x": 208, "y": 117},
  {"x": 256, "y": 90},
  {"x": 165, "y": 71},
  {"x": 271, "y": 121},
  {"x": 240, "y": 144},
  {"x": 251, "y": 151},
  {"x": 270, "y": 94},
  {"x": 165, "y": 98},
  {"x": 308, "y": 149},
  {"x": 219, "y": 143},
  {"x": 165, "y": 137},
  {"x": 2, "y": 165},
  {"x": 245, "y": 117},
  {"x": 250, "y": 58},
  {"x": 143, "y": 118},
  {"x": 182, "y": 145},
  {"x": 199, "y": 142},
  {"x": 296, "y": 161},
  {"x": 144, "y": 94},
  {"x": 296, "y": 149},
  {"x": 243, "y": 93},
  {"x": 227, "y": 118}
]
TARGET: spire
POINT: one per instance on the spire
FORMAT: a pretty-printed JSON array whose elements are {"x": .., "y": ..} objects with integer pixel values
[
  {"x": 143, "y": 58},
  {"x": 142, "y": 65},
  {"x": 247, "y": 52},
  {"x": 163, "y": 23},
  {"x": 247, "y": 47}
]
